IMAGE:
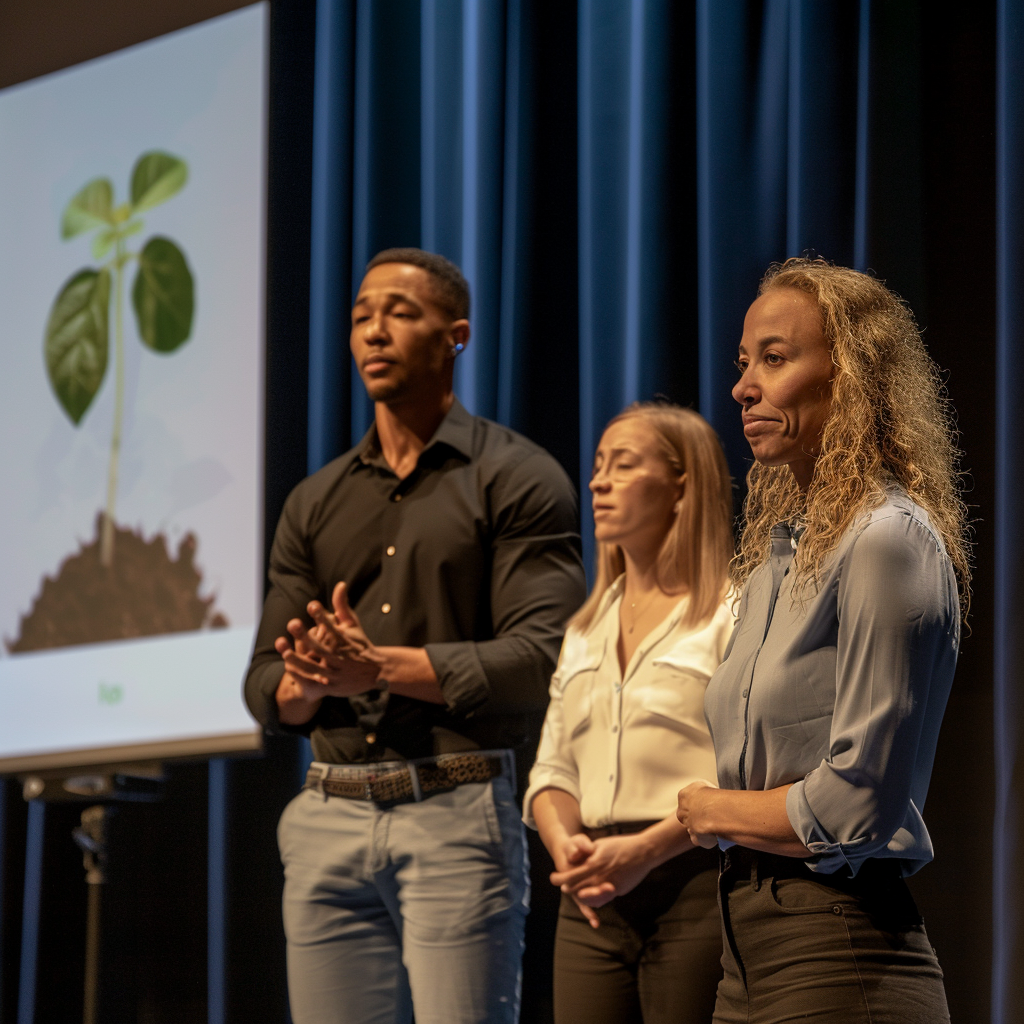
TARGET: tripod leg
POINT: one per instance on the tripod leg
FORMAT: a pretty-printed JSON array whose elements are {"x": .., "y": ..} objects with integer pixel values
[
  {"x": 92, "y": 838},
  {"x": 92, "y": 953}
]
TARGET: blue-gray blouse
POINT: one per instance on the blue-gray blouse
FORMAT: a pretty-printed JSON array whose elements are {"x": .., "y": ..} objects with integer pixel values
[{"x": 841, "y": 692}]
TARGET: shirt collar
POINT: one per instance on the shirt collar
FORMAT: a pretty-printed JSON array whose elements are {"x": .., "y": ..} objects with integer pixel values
[
  {"x": 455, "y": 431},
  {"x": 615, "y": 592},
  {"x": 788, "y": 532}
]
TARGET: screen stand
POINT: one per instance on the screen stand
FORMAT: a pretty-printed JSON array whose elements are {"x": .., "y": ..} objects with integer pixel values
[
  {"x": 130, "y": 784},
  {"x": 91, "y": 837}
]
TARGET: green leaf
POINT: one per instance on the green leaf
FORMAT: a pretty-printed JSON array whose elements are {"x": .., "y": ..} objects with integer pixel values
[
  {"x": 102, "y": 242},
  {"x": 155, "y": 178},
  {"x": 163, "y": 295},
  {"x": 77, "y": 340},
  {"x": 90, "y": 208}
]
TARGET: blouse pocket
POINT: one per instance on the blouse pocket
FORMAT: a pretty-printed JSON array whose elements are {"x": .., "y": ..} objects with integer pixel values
[
  {"x": 578, "y": 701},
  {"x": 575, "y": 684},
  {"x": 674, "y": 696}
]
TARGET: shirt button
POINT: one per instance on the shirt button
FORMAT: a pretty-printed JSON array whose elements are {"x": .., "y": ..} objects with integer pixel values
[
  {"x": 744, "y": 693},
  {"x": 385, "y": 607},
  {"x": 371, "y": 738},
  {"x": 611, "y": 778},
  {"x": 391, "y": 550},
  {"x": 397, "y": 497},
  {"x": 615, "y": 728},
  {"x": 618, "y": 686}
]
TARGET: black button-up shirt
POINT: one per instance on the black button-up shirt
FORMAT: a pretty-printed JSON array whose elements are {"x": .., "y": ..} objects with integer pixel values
[{"x": 474, "y": 556}]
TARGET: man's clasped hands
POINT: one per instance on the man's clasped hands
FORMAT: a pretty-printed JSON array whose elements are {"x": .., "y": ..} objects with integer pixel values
[{"x": 335, "y": 657}]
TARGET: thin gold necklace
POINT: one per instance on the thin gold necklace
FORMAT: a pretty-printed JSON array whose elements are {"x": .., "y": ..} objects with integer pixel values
[{"x": 637, "y": 614}]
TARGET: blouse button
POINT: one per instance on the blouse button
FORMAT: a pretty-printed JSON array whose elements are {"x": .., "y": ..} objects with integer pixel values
[
  {"x": 391, "y": 550},
  {"x": 385, "y": 607}
]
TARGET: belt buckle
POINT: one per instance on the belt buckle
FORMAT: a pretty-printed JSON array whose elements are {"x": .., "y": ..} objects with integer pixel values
[{"x": 414, "y": 781}]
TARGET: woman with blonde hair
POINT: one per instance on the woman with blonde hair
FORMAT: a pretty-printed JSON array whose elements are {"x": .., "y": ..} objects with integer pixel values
[
  {"x": 826, "y": 712},
  {"x": 638, "y": 933}
]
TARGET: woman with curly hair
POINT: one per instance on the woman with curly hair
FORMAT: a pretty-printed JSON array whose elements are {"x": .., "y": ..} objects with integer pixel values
[
  {"x": 638, "y": 935},
  {"x": 826, "y": 712}
]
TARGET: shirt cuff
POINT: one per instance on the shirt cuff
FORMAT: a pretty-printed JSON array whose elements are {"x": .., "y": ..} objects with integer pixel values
[
  {"x": 267, "y": 682},
  {"x": 460, "y": 675},
  {"x": 544, "y": 776},
  {"x": 829, "y": 856}
]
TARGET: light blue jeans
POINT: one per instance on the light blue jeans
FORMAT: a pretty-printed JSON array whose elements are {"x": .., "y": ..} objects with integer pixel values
[{"x": 417, "y": 905}]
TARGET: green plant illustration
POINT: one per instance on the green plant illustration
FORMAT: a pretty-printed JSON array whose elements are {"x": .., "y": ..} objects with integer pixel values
[{"x": 77, "y": 343}]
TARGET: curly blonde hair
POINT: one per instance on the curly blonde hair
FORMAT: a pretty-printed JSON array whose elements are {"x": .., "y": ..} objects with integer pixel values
[
  {"x": 889, "y": 422},
  {"x": 697, "y": 549}
]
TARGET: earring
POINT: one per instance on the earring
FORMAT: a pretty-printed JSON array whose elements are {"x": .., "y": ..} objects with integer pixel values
[
  {"x": 456, "y": 349},
  {"x": 677, "y": 506}
]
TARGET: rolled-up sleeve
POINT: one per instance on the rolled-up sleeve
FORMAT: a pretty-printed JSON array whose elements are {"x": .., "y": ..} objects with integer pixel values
[
  {"x": 537, "y": 582},
  {"x": 896, "y": 652}
]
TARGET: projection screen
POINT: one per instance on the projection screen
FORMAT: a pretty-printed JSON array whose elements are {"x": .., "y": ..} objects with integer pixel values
[{"x": 132, "y": 212}]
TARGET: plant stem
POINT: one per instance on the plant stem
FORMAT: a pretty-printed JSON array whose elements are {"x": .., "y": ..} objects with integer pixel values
[{"x": 107, "y": 535}]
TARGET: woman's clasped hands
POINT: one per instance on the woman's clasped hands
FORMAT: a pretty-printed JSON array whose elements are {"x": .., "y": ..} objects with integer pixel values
[{"x": 595, "y": 871}]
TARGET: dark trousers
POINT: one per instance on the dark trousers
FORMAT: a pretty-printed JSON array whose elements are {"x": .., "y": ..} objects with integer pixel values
[
  {"x": 806, "y": 947},
  {"x": 655, "y": 959}
]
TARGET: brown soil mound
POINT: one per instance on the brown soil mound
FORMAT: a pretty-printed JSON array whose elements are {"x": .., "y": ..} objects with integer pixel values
[{"x": 143, "y": 593}]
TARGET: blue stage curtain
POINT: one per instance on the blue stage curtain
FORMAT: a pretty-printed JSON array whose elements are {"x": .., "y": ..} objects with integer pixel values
[
  {"x": 1008, "y": 940},
  {"x": 782, "y": 162},
  {"x": 614, "y": 177}
]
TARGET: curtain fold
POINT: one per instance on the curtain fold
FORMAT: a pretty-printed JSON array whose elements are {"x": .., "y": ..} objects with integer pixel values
[
  {"x": 636, "y": 293},
  {"x": 779, "y": 145},
  {"x": 331, "y": 230},
  {"x": 1008, "y": 862}
]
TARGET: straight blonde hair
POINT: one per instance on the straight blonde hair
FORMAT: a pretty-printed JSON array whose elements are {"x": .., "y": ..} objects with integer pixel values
[{"x": 698, "y": 547}]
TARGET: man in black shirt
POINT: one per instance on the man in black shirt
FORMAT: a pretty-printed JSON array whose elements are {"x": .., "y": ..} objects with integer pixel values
[{"x": 419, "y": 588}]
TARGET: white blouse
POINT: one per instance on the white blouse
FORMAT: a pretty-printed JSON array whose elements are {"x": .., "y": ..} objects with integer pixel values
[{"x": 624, "y": 744}]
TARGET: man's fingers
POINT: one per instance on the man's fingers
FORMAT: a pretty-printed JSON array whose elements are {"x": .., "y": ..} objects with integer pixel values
[
  {"x": 325, "y": 621},
  {"x": 342, "y": 609},
  {"x": 327, "y": 654},
  {"x": 297, "y": 628},
  {"x": 307, "y": 668}
]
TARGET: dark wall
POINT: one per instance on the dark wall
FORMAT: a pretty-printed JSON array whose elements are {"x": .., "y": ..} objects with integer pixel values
[
  {"x": 957, "y": 308},
  {"x": 47, "y": 35}
]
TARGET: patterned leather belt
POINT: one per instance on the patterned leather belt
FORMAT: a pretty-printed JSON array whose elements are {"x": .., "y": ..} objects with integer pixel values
[{"x": 399, "y": 782}]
